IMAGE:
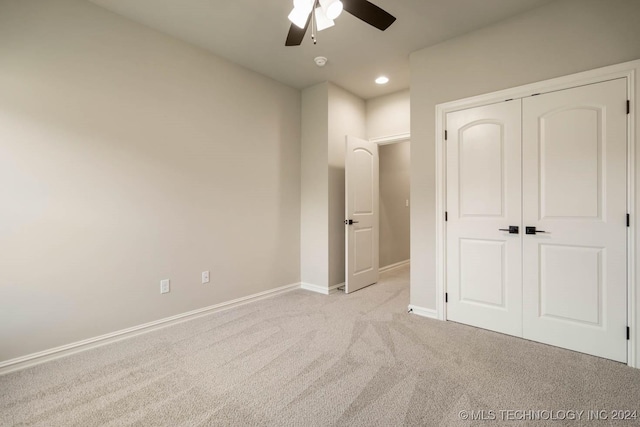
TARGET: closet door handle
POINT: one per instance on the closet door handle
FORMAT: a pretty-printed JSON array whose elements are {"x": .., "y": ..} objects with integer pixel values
[
  {"x": 513, "y": 229},
  {"x": 532, "y": 230}
]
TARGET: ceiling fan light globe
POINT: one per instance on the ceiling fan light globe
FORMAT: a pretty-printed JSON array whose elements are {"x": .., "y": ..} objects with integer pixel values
[
  {"x": 335, "y": 9},
  {"x": 299, "y": 17},
  {"x": 322, "y": 22},
  {"x": 305, "y": 5},
  {"x": 331, "y": 8}
]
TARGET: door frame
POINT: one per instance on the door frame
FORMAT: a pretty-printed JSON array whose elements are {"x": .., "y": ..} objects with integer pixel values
[
  {"x": 625, "y": 70},
  {"x": 388, "y": 140},
  {"x": 382, "y": 140},
  {"x": 391, "y": 139}
]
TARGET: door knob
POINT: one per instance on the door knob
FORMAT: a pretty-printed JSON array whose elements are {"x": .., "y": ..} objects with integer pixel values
[
  {"x": 513, "y": 229},
  {"x": 532, "y": 230},
  {"x": 350, "y": 222}
]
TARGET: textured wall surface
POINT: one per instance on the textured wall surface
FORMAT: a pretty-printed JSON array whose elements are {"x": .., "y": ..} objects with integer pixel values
[{"x": 127, "y": 157}]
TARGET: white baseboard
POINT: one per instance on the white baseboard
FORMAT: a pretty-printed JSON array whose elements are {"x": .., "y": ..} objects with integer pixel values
[
  {"x": 396, "y": 265},
  {"x": 76, "y": 347},
  {"x": 320, "y": 289},
  {"x": 424, "y": 312}
]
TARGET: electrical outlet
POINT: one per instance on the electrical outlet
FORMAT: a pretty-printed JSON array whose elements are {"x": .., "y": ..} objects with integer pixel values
[
  {"x": 205, "y": 277},
  {"x": 406, "y": 203},
  {"x": 164, "y": 286}
]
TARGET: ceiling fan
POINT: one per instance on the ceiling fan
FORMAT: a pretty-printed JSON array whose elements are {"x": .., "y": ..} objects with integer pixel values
[{"x": 321, "y": 13}]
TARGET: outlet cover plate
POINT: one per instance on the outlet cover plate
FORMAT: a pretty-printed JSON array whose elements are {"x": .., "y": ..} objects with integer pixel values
[{"x": 165, "y": 286}]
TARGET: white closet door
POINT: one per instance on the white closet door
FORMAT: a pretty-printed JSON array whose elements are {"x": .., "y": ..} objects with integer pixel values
[
  {"x": 574, "y": 193},
  {"x": 484, "y": 196}
]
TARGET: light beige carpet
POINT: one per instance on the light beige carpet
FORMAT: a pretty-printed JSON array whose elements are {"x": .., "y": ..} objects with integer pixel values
[{"x": 304, "y": 359}]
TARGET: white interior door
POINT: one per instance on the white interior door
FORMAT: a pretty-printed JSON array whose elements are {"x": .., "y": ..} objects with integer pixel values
[
  {"x": 483, "y": 200},
  {"x": 361, "y": 206},
  {"x": 574, "y": 176}
]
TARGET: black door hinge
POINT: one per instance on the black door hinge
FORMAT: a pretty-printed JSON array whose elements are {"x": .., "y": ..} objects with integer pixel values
[
  {"x": 628, "y": 106},
  {"x": 446, "y": 297},
  {"x": 445, "y": 135},
  {"x": 628, "y": 220},
  {"x": 628, "y": 333},
  {"x": 446, "y": 216}
]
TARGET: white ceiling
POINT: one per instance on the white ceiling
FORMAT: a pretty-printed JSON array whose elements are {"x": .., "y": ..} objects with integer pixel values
[{"x": 252, "y": 33}]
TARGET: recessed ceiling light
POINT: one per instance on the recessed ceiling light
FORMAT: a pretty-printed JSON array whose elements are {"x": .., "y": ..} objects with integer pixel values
[{"x": 382, "y": 80}]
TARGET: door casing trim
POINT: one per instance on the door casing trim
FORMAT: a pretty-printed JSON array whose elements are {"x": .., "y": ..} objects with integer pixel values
[
  {"x": 626, "y": 70},
  {"x": 391, "y": 139}
]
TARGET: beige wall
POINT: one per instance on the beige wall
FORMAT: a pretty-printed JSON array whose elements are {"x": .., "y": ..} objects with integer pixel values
[
  {"x": 127, "y": 157},
  {"x": 394, "y": 194},
  {"x": 560, "y": 38},
  {"x": 389, "y": 115},
  {"x": 314, "y": 243}
]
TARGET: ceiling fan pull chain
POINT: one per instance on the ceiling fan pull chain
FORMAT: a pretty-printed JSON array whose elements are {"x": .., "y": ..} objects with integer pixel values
[{"x": 313, "y": 23}]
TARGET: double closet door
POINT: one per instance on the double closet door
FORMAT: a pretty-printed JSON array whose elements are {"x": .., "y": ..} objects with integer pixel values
[{"x": 536, "y": 231}]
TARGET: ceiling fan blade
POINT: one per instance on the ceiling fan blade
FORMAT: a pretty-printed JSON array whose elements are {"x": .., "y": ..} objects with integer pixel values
[
  {"x": 369, "y": 13},
  {"x": 296, "y": 34}
]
